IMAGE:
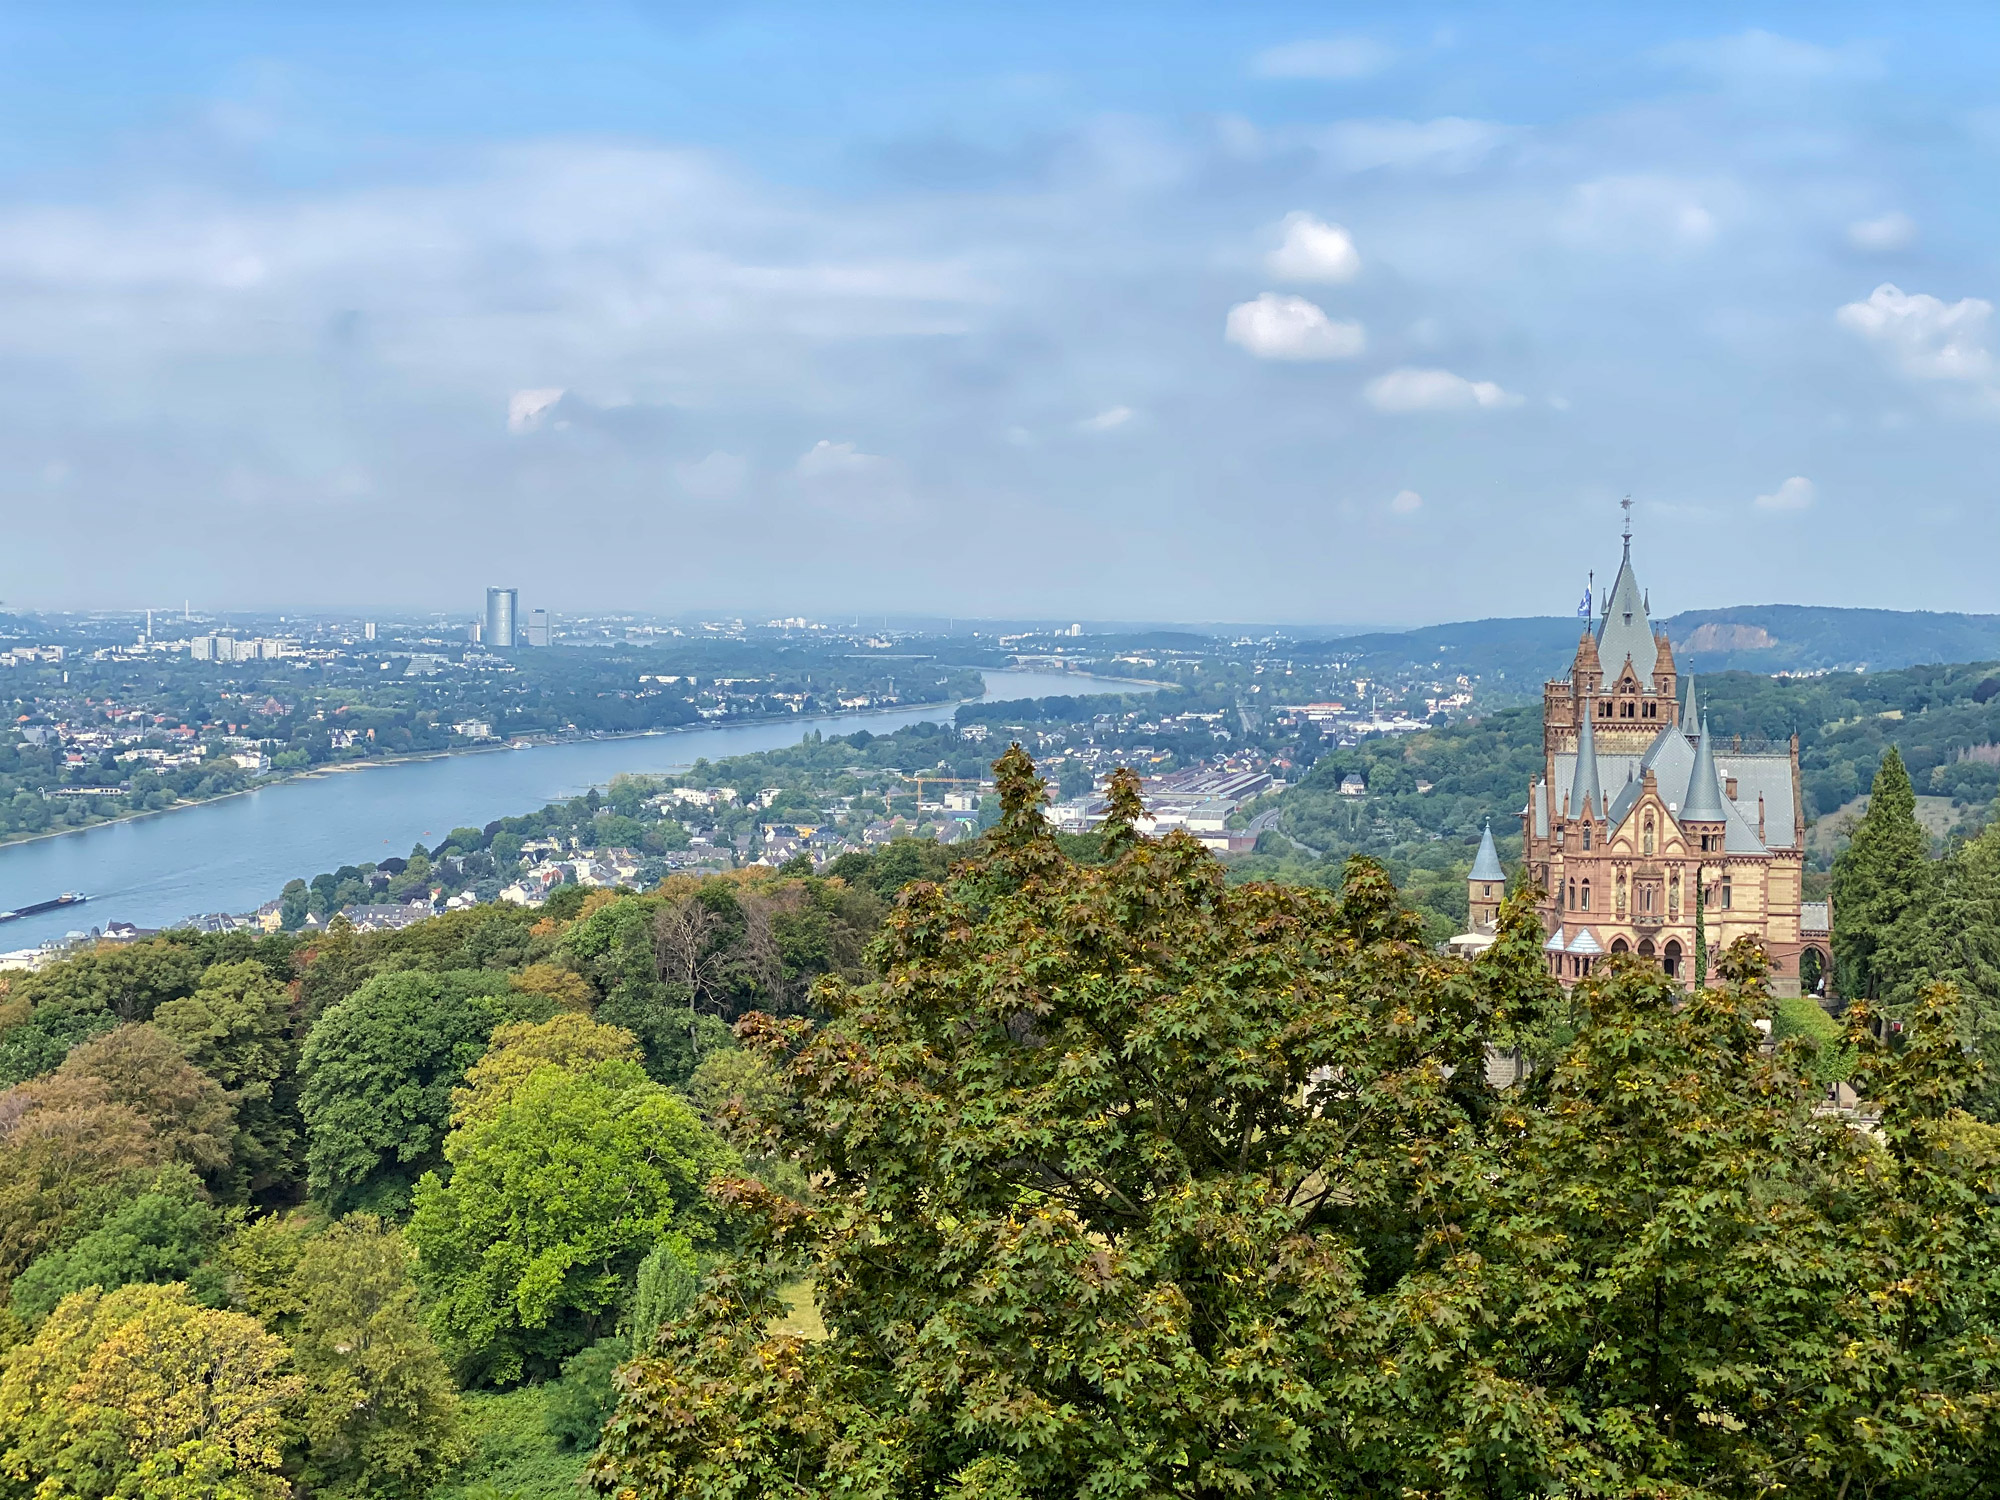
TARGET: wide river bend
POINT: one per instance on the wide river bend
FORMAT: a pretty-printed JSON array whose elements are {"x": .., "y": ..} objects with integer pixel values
[{"x": 236, "y": 853}]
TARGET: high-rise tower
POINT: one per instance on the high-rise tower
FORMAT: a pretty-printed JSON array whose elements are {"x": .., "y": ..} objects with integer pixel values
[{"x": 501, "y": 607}]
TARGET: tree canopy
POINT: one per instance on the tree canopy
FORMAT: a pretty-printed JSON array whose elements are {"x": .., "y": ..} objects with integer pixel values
[
  {"x": 237, "y": 1028},
  {"x": 125, "y": 1392},
  {"x": 1134, "y": 1183},
  {"x": 556, "y": 1193},
  {"x": 376, "y": 1078},
  {"x": 382, "y": 1417}
]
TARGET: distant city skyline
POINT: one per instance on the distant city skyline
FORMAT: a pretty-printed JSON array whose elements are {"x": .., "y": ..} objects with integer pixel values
[{"x": 1200, "y": 314}]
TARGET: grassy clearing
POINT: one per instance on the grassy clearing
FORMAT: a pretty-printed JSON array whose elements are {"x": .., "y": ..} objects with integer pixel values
[
  {"x": 801, "y": 1315},
  {"x": 514, "y": 1456},
  {"x": 1829, "y": 835}
]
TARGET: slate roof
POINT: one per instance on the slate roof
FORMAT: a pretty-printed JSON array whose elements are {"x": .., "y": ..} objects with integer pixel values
[
  {"x": 1703, "y": 799},
  {"x": 1671, "y": 758},
  {"x": 1585, "y": 784},
  {"x": 1625, "y": 631},
  {"x": 1486, "y": 866}
]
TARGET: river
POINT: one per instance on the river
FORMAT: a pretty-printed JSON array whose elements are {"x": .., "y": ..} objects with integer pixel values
[{"x": 236, "y": 853}]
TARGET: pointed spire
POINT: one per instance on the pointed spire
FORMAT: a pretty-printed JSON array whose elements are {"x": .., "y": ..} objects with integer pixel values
[
  {"x": 1585, "y": 784},
  {"x": 1703, "y": 802},
  {"x": 1625, "y": 628},
  {"x": 1688, "y": 721},
  {"x": 1486, "y": 864}
]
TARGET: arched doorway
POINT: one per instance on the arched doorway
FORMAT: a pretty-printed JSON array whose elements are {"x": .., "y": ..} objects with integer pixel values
[
  {"x": 1812, "y": 972},
  {"x": 1645, "y": 947},
  {"x": 1618, "y": 946},
  {"x": 1671, "y": 961}
]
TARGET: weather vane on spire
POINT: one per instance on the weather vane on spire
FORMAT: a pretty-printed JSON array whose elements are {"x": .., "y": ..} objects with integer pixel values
[{"x": 1626, "y": 506}]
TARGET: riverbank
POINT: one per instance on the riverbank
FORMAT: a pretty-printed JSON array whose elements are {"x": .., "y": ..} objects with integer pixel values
[
  {"x": 1099, "y": 686},
  {"x": 518, "y": 742},
  {"x": 233, "y": 852}
]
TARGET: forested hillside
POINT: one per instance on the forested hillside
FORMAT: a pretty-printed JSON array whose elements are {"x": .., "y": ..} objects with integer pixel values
[
  {"x": 1428, "y": 794},
  {"x": 415, "y": 1193},
  {"x": 1766, "y": 638},
  {"x": 784, "y": 1176}
]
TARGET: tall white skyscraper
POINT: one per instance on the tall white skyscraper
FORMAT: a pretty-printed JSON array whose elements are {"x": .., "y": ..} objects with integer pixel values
[{"x": 501, "y": 608}]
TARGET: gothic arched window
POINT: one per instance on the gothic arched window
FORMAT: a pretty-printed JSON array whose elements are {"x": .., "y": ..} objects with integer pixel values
[{"x": 1586, "y": 895}]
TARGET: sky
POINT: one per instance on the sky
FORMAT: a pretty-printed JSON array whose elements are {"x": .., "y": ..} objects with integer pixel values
[{"x": 1281, "y": 313}]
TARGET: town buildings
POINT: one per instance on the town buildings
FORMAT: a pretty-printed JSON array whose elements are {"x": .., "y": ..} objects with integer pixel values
[{"x": 1647, "y": 830}]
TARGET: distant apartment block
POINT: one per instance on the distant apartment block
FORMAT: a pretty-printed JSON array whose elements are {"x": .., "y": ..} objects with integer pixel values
[{"x": 229, "y": 648}]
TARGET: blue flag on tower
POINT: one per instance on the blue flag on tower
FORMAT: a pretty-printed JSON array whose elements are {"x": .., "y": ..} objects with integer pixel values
[{"x": 1583, "y": 609}]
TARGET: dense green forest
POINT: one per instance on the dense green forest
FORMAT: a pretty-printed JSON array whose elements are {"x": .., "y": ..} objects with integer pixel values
[
  {"x": 897, "y": 1175},
  {"x": 407, "y": 1198},
  {"x": 1131, "y": 1180}
]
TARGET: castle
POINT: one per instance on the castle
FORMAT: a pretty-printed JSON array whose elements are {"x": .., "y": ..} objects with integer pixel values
[{"x": 1642, "y": 815}]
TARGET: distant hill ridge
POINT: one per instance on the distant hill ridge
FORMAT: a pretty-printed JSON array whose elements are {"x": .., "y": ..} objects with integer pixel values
[{"x": 1745, "y": 637}]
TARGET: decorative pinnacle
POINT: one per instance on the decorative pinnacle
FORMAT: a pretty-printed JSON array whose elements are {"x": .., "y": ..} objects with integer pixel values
[{"x": 1626, "y": 506}]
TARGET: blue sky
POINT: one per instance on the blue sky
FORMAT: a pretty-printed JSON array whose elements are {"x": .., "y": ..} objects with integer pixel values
[{"x": 1306, "y": 314}]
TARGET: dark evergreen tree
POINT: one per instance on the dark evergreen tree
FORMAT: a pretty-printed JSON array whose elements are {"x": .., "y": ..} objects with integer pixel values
[
  {"x": 1963, "y": 947},
  {"x": 1880, "y": 888}
]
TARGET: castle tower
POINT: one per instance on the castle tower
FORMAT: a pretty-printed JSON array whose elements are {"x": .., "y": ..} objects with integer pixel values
[
  {"x": 1623, "y": 677},
  {"x": 1637, "y": 813},
  {"x": 1487, "y": 883}
]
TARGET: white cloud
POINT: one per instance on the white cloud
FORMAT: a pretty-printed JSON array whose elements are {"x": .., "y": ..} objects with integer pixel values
[
  {"x": 1763, "y": 57},
  {"x": 830, "y": 460},
  {"x": 1447, "y": 144},
  {"x": 1277, "y": 327},
  {"x": 1332, "y": 59},
  {"x": 527, "y": 409},
  {"x": 1893, "y": 231},
  {"x": 1640, "y": 212},
  {"x": 1106, "y": 420},
  {"x": 1407, "y": 502},
  {"x": 1407, "y": 390},
  {"x": 1795, "y": 493},
  {"x": 719, "y": 476},
  {"x": 1314, "y": 250},
  {"x": 1922, "y": 337}
]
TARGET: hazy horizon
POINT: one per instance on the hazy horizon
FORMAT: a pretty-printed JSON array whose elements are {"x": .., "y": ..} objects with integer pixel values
[{"x": 1056, "y": 312}]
